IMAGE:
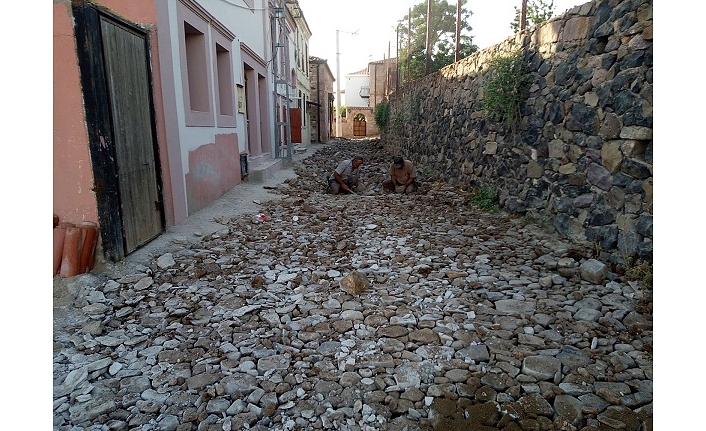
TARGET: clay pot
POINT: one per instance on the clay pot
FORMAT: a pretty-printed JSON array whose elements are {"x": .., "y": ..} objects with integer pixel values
[
  {"x": 89, "y": 238},
  {"x": 70, "y": 259},
  {"x": 59, "y": 235}
]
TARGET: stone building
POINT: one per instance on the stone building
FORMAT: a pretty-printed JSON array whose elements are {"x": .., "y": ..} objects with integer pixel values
[
  {"x": 364, "y": 90},
  {"x": 321, "y": 109}
]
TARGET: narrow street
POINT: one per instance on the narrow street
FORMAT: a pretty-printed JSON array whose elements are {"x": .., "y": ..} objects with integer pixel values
[{"x": 357, "y": 312}]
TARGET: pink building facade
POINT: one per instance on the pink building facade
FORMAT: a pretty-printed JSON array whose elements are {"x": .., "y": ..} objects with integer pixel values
[
  {"x": 92, "y": 127},
  {"x": 160, "y": 107}
]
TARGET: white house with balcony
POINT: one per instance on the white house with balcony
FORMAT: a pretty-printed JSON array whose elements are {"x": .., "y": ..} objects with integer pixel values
[{"x": 358, "y": 88}]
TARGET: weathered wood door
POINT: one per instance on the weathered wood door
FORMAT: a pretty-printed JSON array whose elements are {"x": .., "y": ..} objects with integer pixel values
[
  {"x": 359, "y": 125},
  {"x": 295, "y": 121},
  {"x": 115, "y": 72},
  {"x": 128, "y": 87}
]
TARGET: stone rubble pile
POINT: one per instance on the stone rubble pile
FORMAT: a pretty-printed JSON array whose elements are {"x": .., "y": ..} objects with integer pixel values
[{"x": 368, "y": 312}]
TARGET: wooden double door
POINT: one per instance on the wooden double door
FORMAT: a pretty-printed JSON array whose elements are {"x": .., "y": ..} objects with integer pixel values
[{"x": 359, "y": 125}]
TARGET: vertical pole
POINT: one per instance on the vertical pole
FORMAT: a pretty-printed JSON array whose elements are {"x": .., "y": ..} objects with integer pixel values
[
  {"x": 428, "y": 50},
  {"x": 523, "y": 17},
  {"x": 397, "y": 59},
  {"x": 457, "y": 55},
  {"x": 409, "y": 45},
  {"x": 388, "y": 75},
  {"x": 338, "y": 90}
]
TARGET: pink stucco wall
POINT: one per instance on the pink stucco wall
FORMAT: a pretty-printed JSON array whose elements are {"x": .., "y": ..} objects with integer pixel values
[
  {"x": 73, "y": 199},
  {"x": 73, "y": 174},
  {"x": 213, "y": 170}
]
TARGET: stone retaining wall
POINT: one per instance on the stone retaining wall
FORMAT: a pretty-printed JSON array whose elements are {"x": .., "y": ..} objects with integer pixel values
[{"x": 582, "y": 155}]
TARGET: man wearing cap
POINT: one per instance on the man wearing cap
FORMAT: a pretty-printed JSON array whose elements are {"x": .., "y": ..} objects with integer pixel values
[{"x": 403, "y": 177}]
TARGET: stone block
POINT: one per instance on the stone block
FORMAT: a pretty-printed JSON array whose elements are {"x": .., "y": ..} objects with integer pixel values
[
  {"x": 576, "y": 28},
  {"x": 593, "y": 271},
  {"x": 557, "y": 149},
  {"x": 636, "y": 132},
  {"x": 611, "y": 156},
  {"x": 491, "y": 148}
]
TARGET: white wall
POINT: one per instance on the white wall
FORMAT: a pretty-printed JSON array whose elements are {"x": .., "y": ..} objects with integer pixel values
[
  {"x": 353, "y": 85},
  {"x": 251, "y": 27},
  {"x": 248, "y": 26}
]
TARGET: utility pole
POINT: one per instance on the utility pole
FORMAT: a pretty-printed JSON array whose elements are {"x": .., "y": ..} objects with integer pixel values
[
  {"x": 397, "y": 59},
  {"x": 338, "y": 89},
  {"x": 388, "y": 75},
  {"x": 409, "y": 45},
  {"x": 523, "y": 17},
  {"x": 428, "y": 50},
  {"x": 338, "y": 84},
  {"x": 457, "y": 55}
]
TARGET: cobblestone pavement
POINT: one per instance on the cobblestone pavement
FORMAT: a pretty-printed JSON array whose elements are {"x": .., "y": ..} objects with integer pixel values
[{"x": 357, "y": 312}]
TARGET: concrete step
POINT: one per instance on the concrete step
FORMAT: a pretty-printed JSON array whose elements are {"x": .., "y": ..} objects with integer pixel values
[{"x": 265, "y": 170}]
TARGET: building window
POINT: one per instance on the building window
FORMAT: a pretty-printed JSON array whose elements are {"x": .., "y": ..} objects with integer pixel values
[
  {"x": 197, "y": 74},
  {"x": 195, "y": 65},
  {"x": 225, "y": 82},
  {"x": 206, "y": 67}
]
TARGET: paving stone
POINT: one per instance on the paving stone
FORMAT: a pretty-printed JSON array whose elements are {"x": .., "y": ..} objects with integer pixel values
[{"x": 252, "y": 327}]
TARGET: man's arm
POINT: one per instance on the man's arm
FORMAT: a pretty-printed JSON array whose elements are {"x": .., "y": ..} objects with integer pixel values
[
  {"x": 393, "y": 177},
  {"x": 411, "y": 175},
  {"x": 339, "y": 180}
]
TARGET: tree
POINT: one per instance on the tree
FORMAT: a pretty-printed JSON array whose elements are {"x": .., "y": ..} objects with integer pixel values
[
  {"x": 442, "y": 38},
  {"x": 343, "y": 111},
  {"x": 538, "y": 11}
]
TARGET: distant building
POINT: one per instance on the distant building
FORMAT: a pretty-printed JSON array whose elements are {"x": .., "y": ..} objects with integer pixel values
[
  {"x": 321, "y": 105},
  {"x": 358, "y": 88},
  {"x": 300, "y": 35},
  {"x": 365, "y": 89}
]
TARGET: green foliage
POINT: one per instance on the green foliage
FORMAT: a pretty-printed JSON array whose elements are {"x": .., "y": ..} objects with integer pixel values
[
  {"x": 486, "y": 199},
  {"x": 442, "y": 38},
  {"x": 538, "y": 11},
  {"x": 505, "y": 87},
  {"x": 343, "y": 111},
  {"x": 640, "y": 271},
  {"x": 428, "y": 174},
  {"x": 397, "y": 118},
  {"x": 382, "y": 115},
  {"x": 412, "y": 106},
  {"x": 398, "y": 121}
]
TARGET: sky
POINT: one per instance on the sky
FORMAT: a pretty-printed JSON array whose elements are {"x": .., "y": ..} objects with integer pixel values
[{"x": 375, "y": 32}]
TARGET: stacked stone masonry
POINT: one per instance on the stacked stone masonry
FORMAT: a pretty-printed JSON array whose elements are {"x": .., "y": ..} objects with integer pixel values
[{"x": 581, "y": 156}]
